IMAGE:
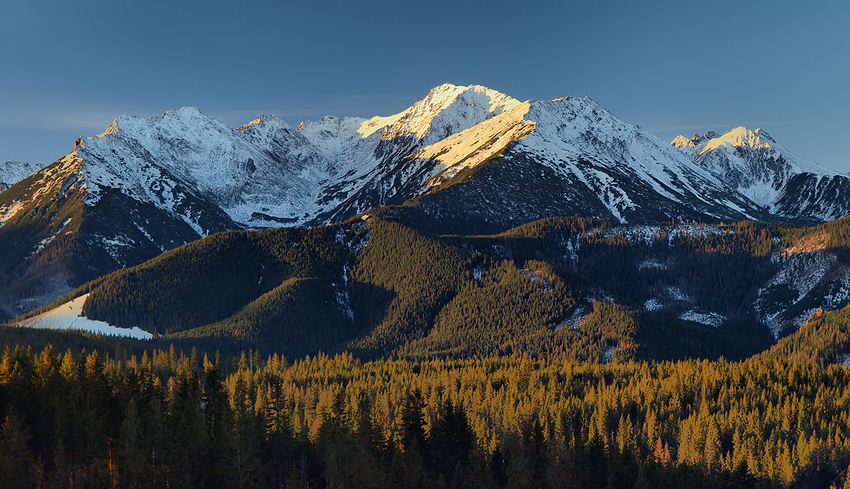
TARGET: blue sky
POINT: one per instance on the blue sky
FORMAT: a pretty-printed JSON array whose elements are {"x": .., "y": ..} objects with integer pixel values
[{"x": 70, "y": 68}]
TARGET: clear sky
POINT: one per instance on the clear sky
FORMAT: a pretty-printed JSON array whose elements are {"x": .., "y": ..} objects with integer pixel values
[{"x": 68, "y": 68}]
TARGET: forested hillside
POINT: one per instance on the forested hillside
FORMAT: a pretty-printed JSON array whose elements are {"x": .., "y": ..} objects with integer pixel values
[
  {"x": 96, "y": 420},
  {"x": 570, "y": 288}
]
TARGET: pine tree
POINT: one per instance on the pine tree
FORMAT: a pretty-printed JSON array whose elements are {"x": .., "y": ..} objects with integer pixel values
[
  {"x": 131, "y": 447},
  {"x": 241, "y": 461},
  {"x": 17, "y": 463},
  {"x": 413, "y": 422},
  {"x": 451, "y": 439}
]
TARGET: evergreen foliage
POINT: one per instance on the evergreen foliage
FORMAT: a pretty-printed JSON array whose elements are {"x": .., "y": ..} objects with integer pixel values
[
  {"x": 401, "y": 280},
  {"x": 823, "y": 339},
  {"x": 506, "y": 310},
  {"x": 300, "y": 316},
  {"x": 565, "y": 288},
  {"x": 169, "y": 419},
  {"x": 376, "y": 287}
]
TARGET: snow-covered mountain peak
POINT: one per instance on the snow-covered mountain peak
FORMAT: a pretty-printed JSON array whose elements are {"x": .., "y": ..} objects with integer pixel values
[
  {"x": 569, "y": 108},
  {"x": 682, "y": 142},
  {"x": 764, "y": 135},
  {"x": 264, "y": 129},
  {"x": 688, "y": 144},
  {"x": 744, "y": 144},
  {"x": 756, "y": 165},
  {"x": 331, "y": 125},
  {"x": 445, "y": 110},
  {"x": 332, "y": 135},
  {"x": 580, "y": 128},
  {"x": 258, "y": 121},
  {"x": 565, "y": 128},
  {"x": 184, "y": 122},
  {"x": 185, "y": 113},
  {"x": 267, "y": 132},
  {"x": 740, "y": 137}
]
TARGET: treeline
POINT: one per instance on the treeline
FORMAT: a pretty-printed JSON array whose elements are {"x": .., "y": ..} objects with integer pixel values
[{"x": 168, "y": 419}]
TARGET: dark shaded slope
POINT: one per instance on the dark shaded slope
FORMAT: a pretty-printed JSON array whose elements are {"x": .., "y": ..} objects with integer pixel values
[
  {"x": 401, "y": 280},
  {"x": 514, "y": 189},
  {"x": 299, "y": 317},
  {"x": 211, "y": 279}
]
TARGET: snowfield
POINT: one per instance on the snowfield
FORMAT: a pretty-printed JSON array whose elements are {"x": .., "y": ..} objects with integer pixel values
[{"x": 67, "y": 316}]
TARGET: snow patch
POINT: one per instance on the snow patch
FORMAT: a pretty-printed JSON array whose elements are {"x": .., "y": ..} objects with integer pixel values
[
  {"x": 8, "y": 212},
  {"x": 46, "y": 241},
  {"x": 576, "y": 317},
  {"x": 707, "y": 318},
  {"x": 69, "y": 316},
  {"x": 342, "y": 295},
  {"x": 571, "y": 255},
  {"x": 535, "y": 276},
  {"x": 477, "y": 273},
  {"x": 114, "y": 245},
  {"x": 651, "y": 264},
  {"x": 677, "y": 294}
]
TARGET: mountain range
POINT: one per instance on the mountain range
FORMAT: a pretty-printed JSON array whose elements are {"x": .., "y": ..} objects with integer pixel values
[{"x": 463, "y": 160}]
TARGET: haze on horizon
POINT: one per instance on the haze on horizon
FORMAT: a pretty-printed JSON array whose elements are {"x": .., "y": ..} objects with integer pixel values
[{"x": 670, "y": 67}]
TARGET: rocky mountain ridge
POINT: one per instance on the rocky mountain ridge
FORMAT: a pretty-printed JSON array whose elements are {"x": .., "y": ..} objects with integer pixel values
[{"x": 462, "y": 159}]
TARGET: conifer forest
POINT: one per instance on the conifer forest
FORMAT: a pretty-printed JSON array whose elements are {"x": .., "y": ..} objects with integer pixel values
[{"x": 370, "y": 354}]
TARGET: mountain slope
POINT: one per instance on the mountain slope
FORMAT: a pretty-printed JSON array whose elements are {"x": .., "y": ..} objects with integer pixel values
[
  {"x": 568, "y": 157},
  {"x": 38, "y": 215},
  {"x": 12, "y": 172},
  {"x": 372, "y": 168},
  {"x": 574, "y": 288},
  {"x": 461, "y": 160},
  {"x": 145, "y": 186},
  {"x": 57, "y": 236}
]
